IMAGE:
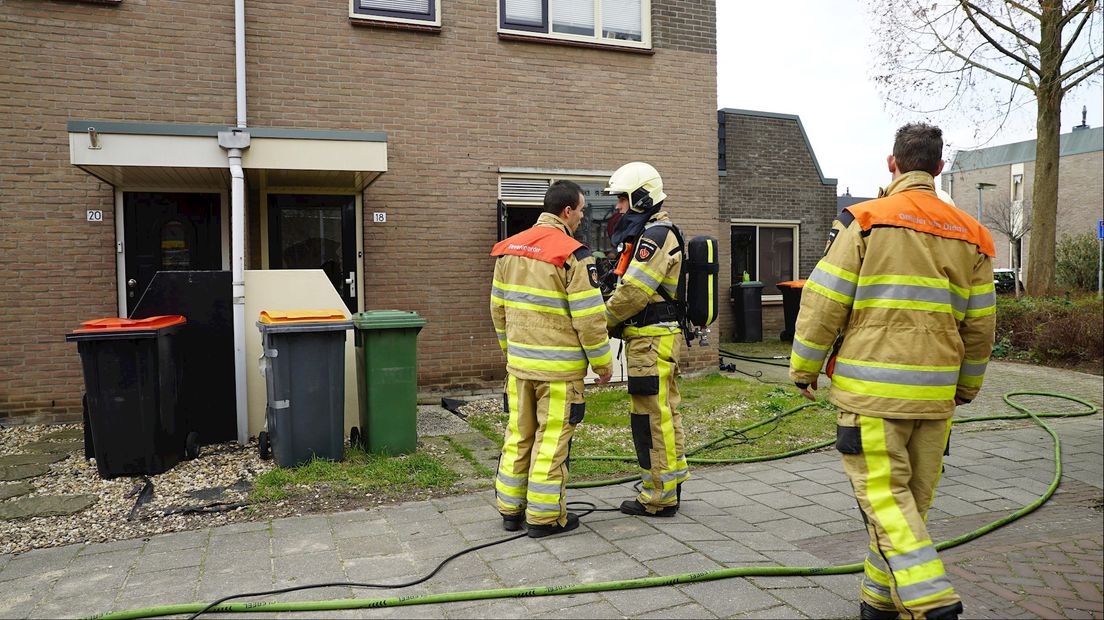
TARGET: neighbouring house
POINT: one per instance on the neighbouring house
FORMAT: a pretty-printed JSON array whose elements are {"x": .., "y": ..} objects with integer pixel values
[
  {"x": 388, "y": 144},
  {"x": 997, "y": 182},
  {"x": 846, "y": 200},
  {"x": 776, "y": 203}
]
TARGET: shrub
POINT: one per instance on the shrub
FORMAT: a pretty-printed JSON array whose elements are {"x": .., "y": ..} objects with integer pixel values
[
  {"x": 1077, "y": 262},
  {"x": 1052, "y": 330}
]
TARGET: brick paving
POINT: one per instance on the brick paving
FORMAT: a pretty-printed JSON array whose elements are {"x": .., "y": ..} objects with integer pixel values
[{"x": 795, "y": 512}]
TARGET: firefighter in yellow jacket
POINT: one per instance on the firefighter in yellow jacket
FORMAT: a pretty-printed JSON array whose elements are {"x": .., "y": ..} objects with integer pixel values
[
  {"x": 549, "y": 315},
  {"x": 902, "y": 305},
  {"x": 640, "y": 310}
]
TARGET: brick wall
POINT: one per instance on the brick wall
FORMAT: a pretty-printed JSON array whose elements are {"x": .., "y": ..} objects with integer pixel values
[
  {"x": 456, "y": 105},
  {"x": 685, "y": 25},
  {"x": 152, "y": 60},
  {"x": 771, "y": 175}
]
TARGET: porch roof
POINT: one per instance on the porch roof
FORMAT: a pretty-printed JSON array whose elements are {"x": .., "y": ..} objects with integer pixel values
[{"x": 178, "y": 156}]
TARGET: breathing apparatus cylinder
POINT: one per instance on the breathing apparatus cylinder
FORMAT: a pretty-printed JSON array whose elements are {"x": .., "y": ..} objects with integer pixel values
[{"x": 702, "y": 268}]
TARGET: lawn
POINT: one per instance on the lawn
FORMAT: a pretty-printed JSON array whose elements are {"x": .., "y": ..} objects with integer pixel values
[
  {"x": 359, "y": 473},
  {"x": 711, "y": 405}
]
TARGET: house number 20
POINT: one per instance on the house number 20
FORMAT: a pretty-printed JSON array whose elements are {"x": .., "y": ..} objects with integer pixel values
[{"x": 95, "y": 215}]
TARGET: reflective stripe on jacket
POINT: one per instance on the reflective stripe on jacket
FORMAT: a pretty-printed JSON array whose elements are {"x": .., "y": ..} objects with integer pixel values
[
  {"x": 546, "y": 306},
  {"x": 906, "y": 285}
]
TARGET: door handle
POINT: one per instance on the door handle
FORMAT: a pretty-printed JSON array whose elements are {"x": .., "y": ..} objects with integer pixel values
[
  {"x": 131, "y": 283},
  {"x": 351, "y": 282}
]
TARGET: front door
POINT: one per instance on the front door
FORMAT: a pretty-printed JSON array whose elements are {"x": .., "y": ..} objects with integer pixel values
[
  {"x": 168, "y": 232},
  {"x": 311, "y": 231}
]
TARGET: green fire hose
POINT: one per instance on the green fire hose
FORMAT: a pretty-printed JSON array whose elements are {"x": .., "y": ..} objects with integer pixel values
[{"x": 649, "y": 582}]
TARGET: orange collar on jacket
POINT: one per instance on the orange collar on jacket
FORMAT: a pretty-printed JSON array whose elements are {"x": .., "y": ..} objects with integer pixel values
[
  {"x": 544, "y": 243},
  {"x": 923, "y": 212}
]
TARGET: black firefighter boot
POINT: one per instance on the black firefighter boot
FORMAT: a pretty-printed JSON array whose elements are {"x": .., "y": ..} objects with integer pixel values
[
  {"x": 513, "y": 523},
  {"x": 947, "y": 612},
  {"x": 635, "y": 508},
  {"x": 869, "y": 612},
  {"x": 540, "y": 531}
]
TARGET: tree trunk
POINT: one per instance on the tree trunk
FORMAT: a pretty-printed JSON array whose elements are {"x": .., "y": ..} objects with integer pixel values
[{"x": 1044, "y": 194}]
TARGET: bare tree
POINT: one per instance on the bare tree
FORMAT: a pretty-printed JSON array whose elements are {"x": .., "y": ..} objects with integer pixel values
[
  {"x": 985, "y": 59},
  {"x": 1013, "y": 220}
]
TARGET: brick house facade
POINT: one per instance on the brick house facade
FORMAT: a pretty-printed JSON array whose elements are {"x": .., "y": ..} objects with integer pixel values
[
  {"x": 776, "y": 202},
  {"x": 463, "y": 106},
  {"x": 1009, "y": 172}
]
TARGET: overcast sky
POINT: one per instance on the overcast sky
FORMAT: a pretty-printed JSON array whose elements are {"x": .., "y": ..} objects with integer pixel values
[{"x": 812, "y": 59}]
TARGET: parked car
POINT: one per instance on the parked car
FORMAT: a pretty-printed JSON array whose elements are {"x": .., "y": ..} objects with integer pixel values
[{"x": 1004, "y": 280}]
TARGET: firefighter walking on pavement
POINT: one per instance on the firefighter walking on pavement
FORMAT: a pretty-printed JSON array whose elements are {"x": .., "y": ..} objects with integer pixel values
[
  {"x": 549, "y": 316},
  {"x": 902, "y": 304},
  {"x": 642, "y": 312}
]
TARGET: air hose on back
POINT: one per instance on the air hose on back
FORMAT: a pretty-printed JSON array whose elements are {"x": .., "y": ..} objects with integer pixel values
[{"x": 649, "y": 582}]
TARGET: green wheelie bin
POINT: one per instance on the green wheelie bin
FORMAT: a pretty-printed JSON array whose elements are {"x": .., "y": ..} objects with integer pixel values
[{"x": 387, "y": 380}]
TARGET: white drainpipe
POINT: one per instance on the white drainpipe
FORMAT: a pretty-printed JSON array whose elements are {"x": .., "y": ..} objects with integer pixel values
[
  {"x": 234, "y": 142},
  {"x": 239, "y": 59}
]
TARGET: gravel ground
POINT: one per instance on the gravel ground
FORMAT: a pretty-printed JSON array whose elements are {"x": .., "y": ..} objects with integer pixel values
[{"x": 222, "y": 475}]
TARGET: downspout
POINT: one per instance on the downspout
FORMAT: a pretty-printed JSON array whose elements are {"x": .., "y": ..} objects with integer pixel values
[
  {"x": 235, "y": 141},
  {"x": 239, "y": 62}
]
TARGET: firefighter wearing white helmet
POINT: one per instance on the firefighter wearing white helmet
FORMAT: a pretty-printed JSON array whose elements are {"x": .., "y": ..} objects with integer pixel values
[{"x": 640, "y": 310}]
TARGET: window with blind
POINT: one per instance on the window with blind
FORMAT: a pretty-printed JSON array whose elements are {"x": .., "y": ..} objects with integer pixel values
[
  {"x": 423, "y": 12},
  {"x": 614, "y": 22}
]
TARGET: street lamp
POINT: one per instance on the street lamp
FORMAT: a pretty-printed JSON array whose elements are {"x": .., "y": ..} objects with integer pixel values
[{"x": 981, "y": 187}]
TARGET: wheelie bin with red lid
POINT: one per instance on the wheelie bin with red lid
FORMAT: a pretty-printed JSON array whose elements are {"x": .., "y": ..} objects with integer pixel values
[
  {"x": 132, "y": 379},
  {"x": 791, "y": 303}
]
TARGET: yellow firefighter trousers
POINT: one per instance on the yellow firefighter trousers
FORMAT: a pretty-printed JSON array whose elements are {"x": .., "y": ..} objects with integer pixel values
[
  {"x": 894, "y": 466},
  {"x": 656, "y": 422},
  {"x": 532, "y": 472}
]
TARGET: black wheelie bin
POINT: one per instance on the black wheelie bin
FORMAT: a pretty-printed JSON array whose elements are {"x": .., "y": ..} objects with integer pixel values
[{"x": 132, "y": 381}]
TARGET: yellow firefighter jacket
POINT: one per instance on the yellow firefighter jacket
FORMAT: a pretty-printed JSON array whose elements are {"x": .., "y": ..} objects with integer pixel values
[
  {"x": 546, "y": 305},
  {"x": 656, "y": 263},
  {"x": 904, "y": 295}
]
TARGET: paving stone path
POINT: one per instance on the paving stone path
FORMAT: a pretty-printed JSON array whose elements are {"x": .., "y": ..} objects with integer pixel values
[
  {"x": 796, "y": 512},
  {"x": 35, "y": 462},
  {"x": 22, "y": 472},
  {"x": 15, "y": 489}
]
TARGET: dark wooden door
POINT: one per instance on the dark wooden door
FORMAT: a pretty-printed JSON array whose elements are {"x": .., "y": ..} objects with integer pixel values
[
  {"x": 169, "y": 232},
  {"x": 315, "y": 231}
]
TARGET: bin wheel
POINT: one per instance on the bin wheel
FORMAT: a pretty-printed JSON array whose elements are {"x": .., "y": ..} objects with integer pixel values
[
  {"x": 354, "y": 437},
  {"x": 191, "y": 446},
  {"x": 263, "y": 447}
]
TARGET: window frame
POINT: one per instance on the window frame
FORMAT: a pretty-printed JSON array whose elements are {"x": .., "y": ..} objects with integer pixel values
[
  {"x": 582, "y": 177},
  {"x": 544, "y": 31},
  {"x": 432, "y": 18},
  {"x": 794, "y": 225}
]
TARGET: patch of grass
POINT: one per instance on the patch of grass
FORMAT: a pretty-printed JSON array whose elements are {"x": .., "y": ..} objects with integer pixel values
[
  {"x": 360, "y": 472},
  {"x": 469, "y": 456},
  {"x": 711, "y": 405}
]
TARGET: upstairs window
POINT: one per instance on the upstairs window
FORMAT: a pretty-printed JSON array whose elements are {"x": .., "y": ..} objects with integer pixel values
[
  {"x": 420, "y": 12},
  {"x": 625, "y": 23}
]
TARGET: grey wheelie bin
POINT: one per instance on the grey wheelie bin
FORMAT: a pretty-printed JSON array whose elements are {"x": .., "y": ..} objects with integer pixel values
[
  {"x": 303, "y": 361},
  {"x": 747, "y": 303}
]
